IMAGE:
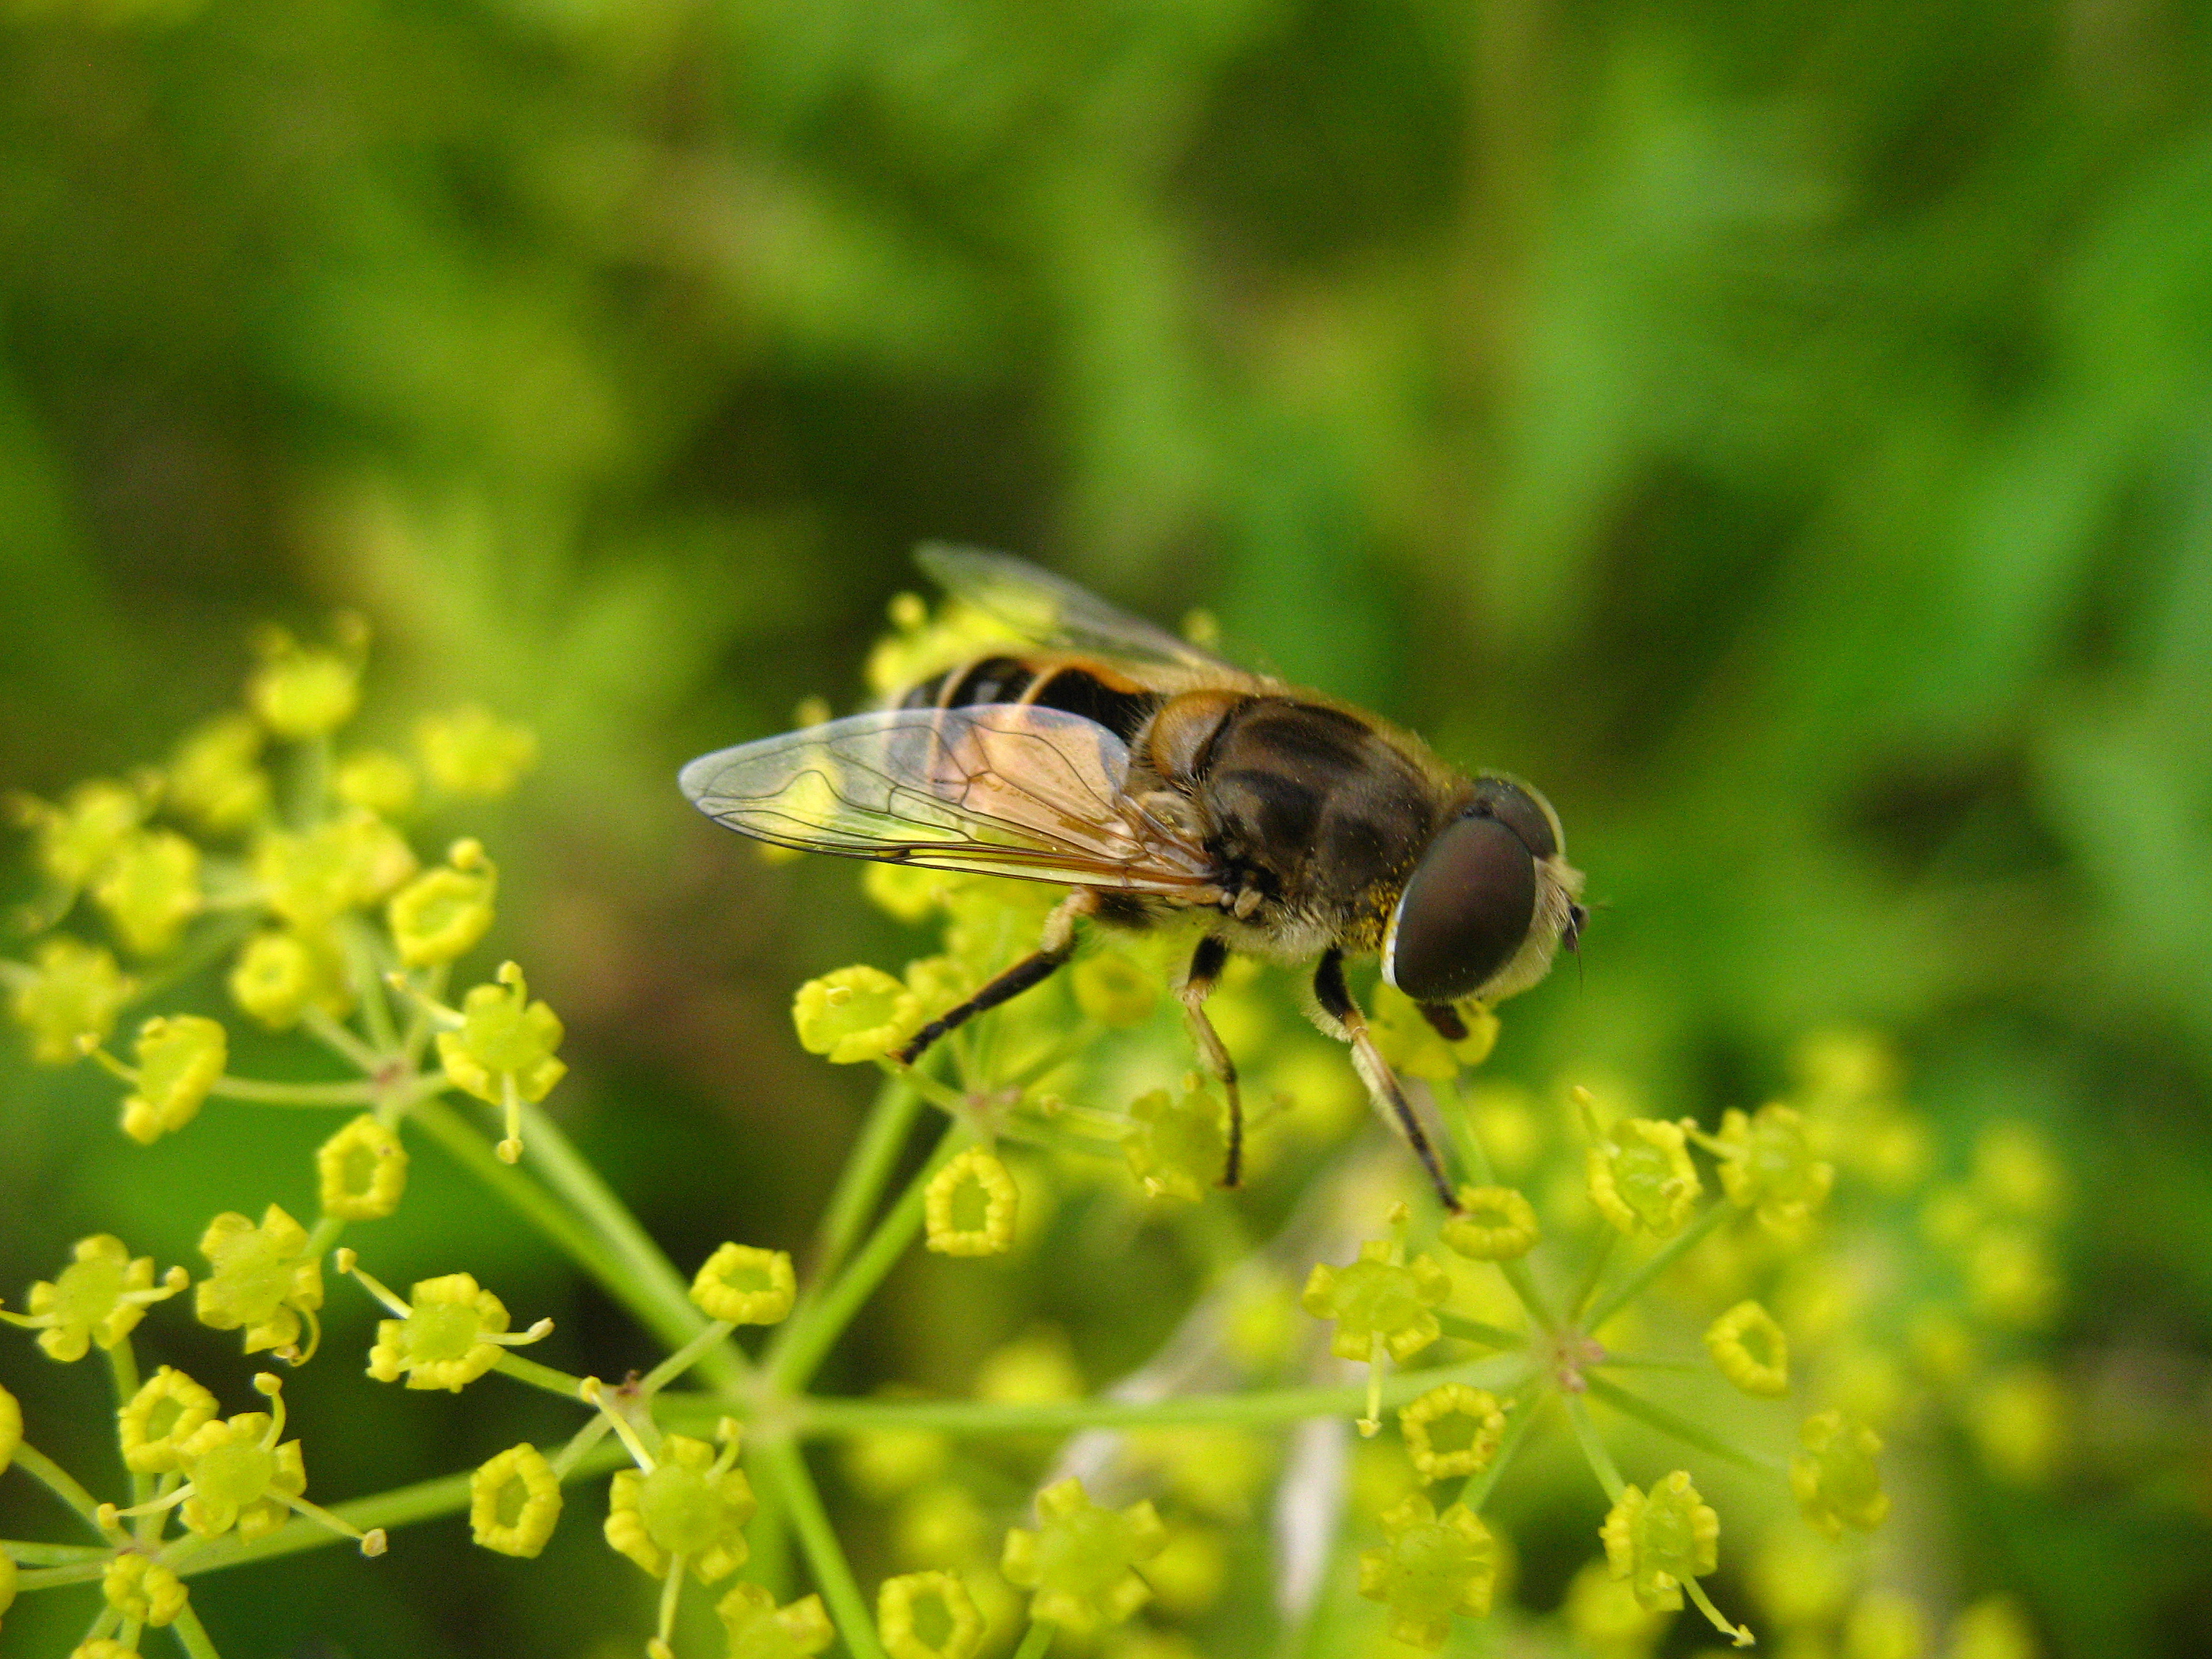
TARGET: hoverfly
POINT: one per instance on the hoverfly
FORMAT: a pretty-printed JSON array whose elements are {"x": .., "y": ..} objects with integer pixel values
[{"x": 1157, "y": 782}]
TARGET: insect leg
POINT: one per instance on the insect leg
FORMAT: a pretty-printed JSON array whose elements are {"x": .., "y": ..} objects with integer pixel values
[
  {"x": 1052, "y": 952},
  {"x": 1335, "y": 999},
  {"x": 1205, "y": 966}
]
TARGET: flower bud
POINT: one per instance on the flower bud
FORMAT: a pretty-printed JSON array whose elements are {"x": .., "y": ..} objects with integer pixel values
[
  {"x": 76, "y": 839},
  {"x": 855, "y": 1014},
  {"x": 168, "y": 1409},
  {"x": 141, "y": 1588},
  {"x": 1750, "y": 1349},
  {"x": 745, "y": 1285},
  {"x": 1375, "y": 1296},
  {"x": 443, "y": 913},
  {"x": 1081, "y": 1562},
  {"x": 1431, "y": 1567},
  {"x": 514, "y": 1500},
  {"x": 263, "y": 1279},
  {"x": 215, "y": 779},
  {"x": 503, "y": 1034},
  {"x": 692, "y": 1503},
  {"x": 1452, "y": 1430},
  {"x": 1661, "y": 1543},
  {"x": 969, "y": 1207},
  {"x": 1834, "y": 1478},
  {"x": 362, "y": 1170},
  {"x": 1495, "y": 1223},
  {"x": 1641, "y": 1177},
  {"x": 151, "y": 888},
  {"x": 470, "y": 752},
  {"x": 301, "y": 691},
  {"x": 279, "y": 973},
  {"x": 73, "y": 990},
  {"x": 376, "y": 780},
  {"x": 758, "y": 1629},
  {"x": 1176, "y": 1148},
  {"x": 928, "y": 1615}
]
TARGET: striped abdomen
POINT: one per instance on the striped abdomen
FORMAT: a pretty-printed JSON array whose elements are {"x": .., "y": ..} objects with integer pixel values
[{"x": 1089, "y": 688}]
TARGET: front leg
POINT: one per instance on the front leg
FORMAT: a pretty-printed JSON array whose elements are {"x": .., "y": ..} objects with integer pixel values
[
  {"x": 1205, "y": 966},
  {"x": 1335, "y": 999},
  {"x": 1052, "y": 952}
]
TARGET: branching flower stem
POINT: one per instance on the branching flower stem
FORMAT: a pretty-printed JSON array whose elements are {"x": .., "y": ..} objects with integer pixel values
[
  {"x": 779, "y": 1468},
  {"x": 1669, "y": 1423},
  {"x": 1036, "y": 1642},
  {"x": 1586, "y": 1436},
  {"x": 1657, "y": 1262}
]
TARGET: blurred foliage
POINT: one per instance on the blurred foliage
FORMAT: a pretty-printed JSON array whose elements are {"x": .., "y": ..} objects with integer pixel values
[{"x": 1778, "y": 430}]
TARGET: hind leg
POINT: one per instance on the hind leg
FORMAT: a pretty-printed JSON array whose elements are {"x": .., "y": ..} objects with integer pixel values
[
  {"x": 1052, "y": 953},
  {"x": 1335, "y": 999}
]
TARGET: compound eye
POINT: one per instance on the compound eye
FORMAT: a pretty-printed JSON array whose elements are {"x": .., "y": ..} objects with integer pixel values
[
  {"x": 1508, "y": 802},
  {"x": 1466, "y": 911}
]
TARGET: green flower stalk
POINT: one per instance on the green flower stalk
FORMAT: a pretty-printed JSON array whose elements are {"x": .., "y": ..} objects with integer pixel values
[
  {"x": 969, "y": 1207},
  {"x": 1431, "y": 1567},
  {"x": 514, "y": 1501},
  {"x": 928, "y": 1615},
  {"x": 73, "y": 990},
  {"x": 263, "y": 1280},
  {"x": 449, "y": 1333},
  {"x": 1082, "y": 1560},
  {"x": 100, "y": 1297}
]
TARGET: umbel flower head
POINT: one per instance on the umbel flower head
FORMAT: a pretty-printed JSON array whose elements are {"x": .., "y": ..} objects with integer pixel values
[
  {"x": 1081, "y": 1561},
  {"x": 100, "y": 1297},
  {"x": 758, "y": 1629},
  {"x": 1835, "y": 1478},
  {"x": 1662, "y": 1544},
  {"x": 968, "y": 1205},
  {"x": 928, "y": 1615},
  {"x": 1767, "y": 1166},
  {"x": 503, "y": 1051},
  {"x": 264, "y": 1279},
  {"x": 744, "y": 1285},
  {"x": 71, "y": 991},
  {"x": 179, "y": 1058},
  {"x": 687, "y": 1505},
  {"x": 1641, "y": 1177},
  {"x": 166, "y": 1411},
  {"x": 514, "y": 1500},
  {"x": 448, "y": 1333},
  {"x": 1430, "y": 1567}
]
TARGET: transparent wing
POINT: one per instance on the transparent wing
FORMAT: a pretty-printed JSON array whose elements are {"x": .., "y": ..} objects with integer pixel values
[
  {"x": 998, "y": 789},
  {"x": 1051, "y": 611}
]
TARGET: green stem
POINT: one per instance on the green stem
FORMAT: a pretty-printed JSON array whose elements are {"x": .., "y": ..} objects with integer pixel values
[
  {"x": 1681, "y": 1428},
  {"x": 363, "y": 1092},
  {"x": 1036, "y": 1642},
  {"x": 341, "y": 1042},
  {"x": 804, "y": 1343},
  {"x": 1606, "y": 1239},
  {"x": 367, "y": 976},
  {"x": 540, "y": 1377},
  {"x": 1474, "y": 1330},
  {"x": 1459, "y": 1128},
  {"x": 1476, "y": 1492},
  {"x": 684, "y": 1358},
  {"x": 655, "y": 1281},
  {"x": 1586, "y": 1436},
  {"x": 403, "y": 1506},
  {"x": 1655, "y": 1264},
  {"x": 533, "y": 1204},
  {"x": 778, "y": 1463},
  {"x": 78, "y": 1572},
  {"x": 60, "y": 1482},
  {"x": 883, "y": 1138},
  {"x": 192, "y": 1636},
  {"x": 818, "y": 1417},
  {"x": 24, "y": 1553}
]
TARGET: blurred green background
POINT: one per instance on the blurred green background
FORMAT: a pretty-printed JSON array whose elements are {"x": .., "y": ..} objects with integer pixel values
[{"x": 1783, "y": 432}]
